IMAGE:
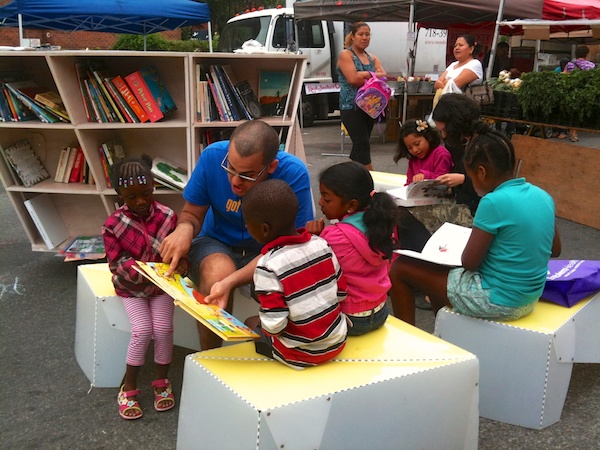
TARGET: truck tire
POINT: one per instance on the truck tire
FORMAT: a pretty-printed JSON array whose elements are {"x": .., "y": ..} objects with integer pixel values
[{"x": 308, "y": 114}]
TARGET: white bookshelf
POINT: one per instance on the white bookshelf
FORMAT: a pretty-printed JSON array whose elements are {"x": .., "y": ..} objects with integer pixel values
[{"x": 178, "y": 137}]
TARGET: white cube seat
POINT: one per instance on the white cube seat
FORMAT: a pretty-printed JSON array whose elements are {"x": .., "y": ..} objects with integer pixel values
[
  {"x": 103, "y": 331},
  {"x": 383, "y": 391},
  {"x": 526, "y": 364}
]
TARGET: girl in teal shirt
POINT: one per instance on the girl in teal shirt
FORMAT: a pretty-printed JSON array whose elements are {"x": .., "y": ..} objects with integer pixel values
[{"x": 505, "y": 261}]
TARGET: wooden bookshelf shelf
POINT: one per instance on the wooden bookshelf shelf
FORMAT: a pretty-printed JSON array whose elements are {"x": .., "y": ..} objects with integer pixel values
[{"x": 178, "y": 137}]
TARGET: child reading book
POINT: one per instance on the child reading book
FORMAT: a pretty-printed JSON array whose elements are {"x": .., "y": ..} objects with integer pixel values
[
  {"x": 298, "y": 282},
  {"x": 505, "y": 261},
  {"x": 134, "y": 232},
  {"x": 362, "y": 240},
  {"x": 421, "y": 144}
]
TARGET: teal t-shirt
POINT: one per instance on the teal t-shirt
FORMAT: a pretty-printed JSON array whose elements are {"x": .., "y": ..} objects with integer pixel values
[{"x": 521, "y": 218}]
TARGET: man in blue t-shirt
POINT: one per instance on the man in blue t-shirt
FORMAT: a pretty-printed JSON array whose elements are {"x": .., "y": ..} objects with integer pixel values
[{"x": 211, "y": 229}]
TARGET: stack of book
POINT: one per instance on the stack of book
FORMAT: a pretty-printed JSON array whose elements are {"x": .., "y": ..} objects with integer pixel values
[
  {"x": 110, "y": 153},
  {"x": 23, "y": 99},
  {"x": 222, "y": 97},
  {"x": 72, "y": 167},
  {"x": 139, "y": 97}
]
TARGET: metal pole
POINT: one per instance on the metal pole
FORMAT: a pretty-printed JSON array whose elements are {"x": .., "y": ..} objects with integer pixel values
[
  {"x": 410, "y": 61},
  {"x": 210, "y": 44},
  {"x": 490, "y": 67},
  {"x": 21, "y": 30}
]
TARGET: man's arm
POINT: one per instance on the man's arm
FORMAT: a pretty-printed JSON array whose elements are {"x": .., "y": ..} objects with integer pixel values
[{"x": 177, "y": 245}]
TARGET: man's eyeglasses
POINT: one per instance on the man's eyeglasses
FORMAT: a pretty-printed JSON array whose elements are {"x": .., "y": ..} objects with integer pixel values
[{"x": 233, "y": 173}]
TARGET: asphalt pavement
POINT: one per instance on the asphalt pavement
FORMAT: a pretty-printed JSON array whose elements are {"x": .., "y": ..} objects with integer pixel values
[{"x": 47, "y": 402}]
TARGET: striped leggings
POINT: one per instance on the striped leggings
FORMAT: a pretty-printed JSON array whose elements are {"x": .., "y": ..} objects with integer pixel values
[{"x": 150, "y": 318}]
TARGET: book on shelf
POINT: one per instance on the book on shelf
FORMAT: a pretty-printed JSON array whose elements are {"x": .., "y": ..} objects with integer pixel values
[
  {"x": 216, "y": 101},
  {"x": 110, "y": 153},
  {"x": 47, "y": 220},
  {"x": 185, "y": 295},
  {"x": 51, "y": 100},
  {"x": 96, "y": 73},
  {"x": 8, "y": 112},
  {"x": 80, "y": 72},
  {"x": 76, "y": 169},
  {"x": 234, "y": 106},
  {"x": 23, "y": 92},
  {"x": 70, "y": 164},
  {"x": 168, "y": 173},
  {"x": 219, "y": 96},
  {"x": 158, "y": 89},
  {"x": 273, "y": 92},
  {"x": 142, "y": 93},
  {"x": 26, "y": 163},
  {"x": 97, "y": 111},
  {"x": 84, "y": 247},
  {"x": 128, "y": 115},
  {"x": 61, "y": 166},
  {"x": 5, "y": 109},
  {"x": 418, "y": 193},
  {"x": 243, "y": 93},
  {"x": 444, "y": 247},
  {"x": 131, "y": 100}
]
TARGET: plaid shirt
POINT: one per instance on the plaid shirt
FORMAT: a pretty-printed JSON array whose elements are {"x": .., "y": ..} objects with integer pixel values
[{"x": 127, "y": 238}]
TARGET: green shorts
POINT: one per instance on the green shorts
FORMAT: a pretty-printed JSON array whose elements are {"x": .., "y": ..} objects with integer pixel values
[{"x": 468, "y": 297}]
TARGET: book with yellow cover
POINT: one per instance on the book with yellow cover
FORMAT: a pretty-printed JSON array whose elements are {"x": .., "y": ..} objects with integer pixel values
[{"x": 184, "y": 295}]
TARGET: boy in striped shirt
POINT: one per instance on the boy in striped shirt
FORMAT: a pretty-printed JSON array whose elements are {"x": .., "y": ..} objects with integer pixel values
[{"x": 298, "y": 282}]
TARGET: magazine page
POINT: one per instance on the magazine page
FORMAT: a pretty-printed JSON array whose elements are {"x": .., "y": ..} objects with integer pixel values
[
  {"x": 444, "y": 247},
  {"x": 185, "y": 296},
  {"x": 426, "y": 192}
]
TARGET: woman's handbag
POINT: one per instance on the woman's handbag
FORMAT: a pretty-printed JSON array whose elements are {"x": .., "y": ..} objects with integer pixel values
[
  {"x": 570, "y": 281},
  {"x": 482, "y": 94}
]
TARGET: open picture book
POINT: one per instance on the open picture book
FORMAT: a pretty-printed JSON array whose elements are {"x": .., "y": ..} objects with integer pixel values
[
  {"x": 426, "y": 192},
  {"x": 444, "y": 247},
  {"x": 187, "y": 297}
]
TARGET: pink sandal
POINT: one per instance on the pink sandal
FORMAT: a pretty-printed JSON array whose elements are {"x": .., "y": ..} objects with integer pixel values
[
  {"x": 126, "y": 405},
  {"x": 164, "y": 396}
]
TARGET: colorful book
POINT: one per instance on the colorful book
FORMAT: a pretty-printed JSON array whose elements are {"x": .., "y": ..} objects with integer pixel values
[
  {"x": 70, "y": 164},
  {"x": 418, "y": 193},
  {"x": 123, "y": 106},
  {"x": 249, "y": 98},
  {"x": 128, "y": 96},
  {"x": 51, "y": 100},
  {"x": 444, "y": 247},
  {"x": 169, "y": 173},
  {"x": 185, "y": 295},
  {"x": 232, "y": 82},
  {"x": 84, "y": 247},
  {"x": 26, "y": 163},
  {"x": 142, "y": 93},
  {"x": 273, "y": 91},
  {"x": 158, "y": 89},
  {"x": 84, "y": 91},
  {"x": 227, "y": 91},
  {"x": 47, "y": 220},
  {"x": 24, "y": 92}
]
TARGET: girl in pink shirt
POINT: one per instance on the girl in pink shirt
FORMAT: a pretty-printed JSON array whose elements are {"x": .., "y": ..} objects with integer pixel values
[
  {"x": 362, "y": 240},
  {"x": 421, "y": 144}
]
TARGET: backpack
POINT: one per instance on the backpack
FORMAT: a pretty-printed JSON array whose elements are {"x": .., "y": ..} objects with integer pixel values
[{"x": 372, "y": 97}]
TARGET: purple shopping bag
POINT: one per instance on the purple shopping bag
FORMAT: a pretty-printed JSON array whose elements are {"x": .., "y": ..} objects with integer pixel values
[{"x": 570, "y": 281}]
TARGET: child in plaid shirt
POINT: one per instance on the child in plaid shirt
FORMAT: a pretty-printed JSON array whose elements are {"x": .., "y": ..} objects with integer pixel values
[{"x": 134, "y": 232}]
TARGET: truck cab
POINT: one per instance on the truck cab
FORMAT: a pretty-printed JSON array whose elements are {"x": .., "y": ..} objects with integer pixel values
[{"x": 275, "y": 30}]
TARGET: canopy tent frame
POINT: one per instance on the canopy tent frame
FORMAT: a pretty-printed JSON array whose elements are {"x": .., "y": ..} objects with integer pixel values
[{"x": 113, "y": 16}]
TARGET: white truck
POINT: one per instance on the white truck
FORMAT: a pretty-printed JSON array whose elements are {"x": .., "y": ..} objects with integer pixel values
[{"x": 321, "y": 41}]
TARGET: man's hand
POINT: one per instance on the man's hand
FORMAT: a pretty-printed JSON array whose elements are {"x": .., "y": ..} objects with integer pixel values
[
  {"x": 176, "y": 245},
  {"x": 315, "y": 226}
]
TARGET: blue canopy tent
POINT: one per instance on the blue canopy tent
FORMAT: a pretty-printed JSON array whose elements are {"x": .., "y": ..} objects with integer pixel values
[{"x": 112, "y": 16}]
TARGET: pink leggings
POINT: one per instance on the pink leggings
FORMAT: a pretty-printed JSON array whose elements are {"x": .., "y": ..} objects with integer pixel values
[{"x": 150, "y": 317}]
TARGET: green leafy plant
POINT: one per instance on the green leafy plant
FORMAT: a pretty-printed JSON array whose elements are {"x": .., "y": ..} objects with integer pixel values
[
  {"x": 541, "y": 95},
  {"x": 582, "y": 95}
]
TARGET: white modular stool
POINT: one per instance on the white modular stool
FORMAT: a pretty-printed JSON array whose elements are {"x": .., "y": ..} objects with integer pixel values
[
  {"x": 102, "y": 328},
  {"x": 526, "y": 364},
  {"x": 383, "y": 391}
]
